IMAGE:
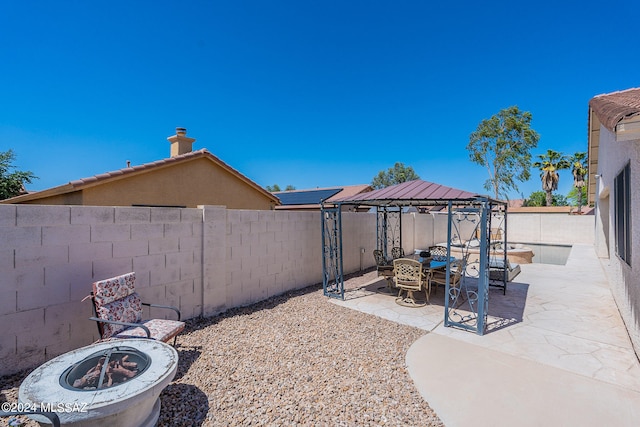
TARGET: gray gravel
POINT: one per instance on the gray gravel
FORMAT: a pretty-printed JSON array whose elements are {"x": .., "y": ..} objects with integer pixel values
[{"x": 295, "y": 359}]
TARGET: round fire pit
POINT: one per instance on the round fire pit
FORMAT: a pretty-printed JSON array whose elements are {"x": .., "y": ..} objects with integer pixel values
[
  {"x": 107, "y": 368},
  {"x": 110, "y": 383}
]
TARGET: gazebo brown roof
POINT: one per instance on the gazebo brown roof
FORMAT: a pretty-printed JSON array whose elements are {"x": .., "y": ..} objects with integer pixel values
[{"x": 413, "y": 193}]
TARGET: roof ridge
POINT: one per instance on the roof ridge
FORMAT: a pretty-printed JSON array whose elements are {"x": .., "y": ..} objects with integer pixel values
[{"x": 617, "y": 92}]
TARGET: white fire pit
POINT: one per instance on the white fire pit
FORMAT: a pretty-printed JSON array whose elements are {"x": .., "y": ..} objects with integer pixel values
[{"x": 113, "y": 383}]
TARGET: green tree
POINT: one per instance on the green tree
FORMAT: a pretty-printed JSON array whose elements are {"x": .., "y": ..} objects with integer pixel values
[
  {"x": 503, "y": 145},
  {"x": 275, "y": 187},
  {"x": 12, "y": 183},
  {"x": 549, "y": 164},
  {"x": 399, "y": 173},
  {"x": 538, "y": 198},
  {"x": 576, "y": 195},
  {"x": 579, "y": 171}
]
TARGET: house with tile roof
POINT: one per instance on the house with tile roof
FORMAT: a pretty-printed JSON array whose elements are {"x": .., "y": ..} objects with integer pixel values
[
  {"x": 310, "y": 199},
  {"x": 186, "y": 179},
  {"x": 614, "y": 176}
]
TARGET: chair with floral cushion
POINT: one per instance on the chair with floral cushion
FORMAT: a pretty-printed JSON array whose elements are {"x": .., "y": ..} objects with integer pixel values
[{"x": 118, "y": 312}]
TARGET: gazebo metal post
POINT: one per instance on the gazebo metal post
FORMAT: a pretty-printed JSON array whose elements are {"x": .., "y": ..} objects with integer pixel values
[
  {"x": 332, "y": 269},
  {"x": 480, "y": 298},
  {"x": 505, "y": 247},
  {"x": 483, "y": 279},
  {"x": 381, "y": 230},
  {"x": 386, "y": 231},
  {"x": 447, "y": 291}
]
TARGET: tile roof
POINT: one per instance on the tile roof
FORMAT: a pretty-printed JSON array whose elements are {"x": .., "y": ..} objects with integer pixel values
[
  {"x": 613, "y": 107},
  {"x": 107, "y": 176}
]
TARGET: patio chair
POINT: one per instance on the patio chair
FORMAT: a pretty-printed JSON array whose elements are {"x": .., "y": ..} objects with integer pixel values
[
  {"x": 384, "y": 268},
  {"x": 397, "y": 252},
  {"x": 409, "y": 277},
  {"x": 117, "y": 310},
  {"x": 501, "y": 274},
  {"x": 439, "y": 277},
  {"x": 438, "y": 253}
]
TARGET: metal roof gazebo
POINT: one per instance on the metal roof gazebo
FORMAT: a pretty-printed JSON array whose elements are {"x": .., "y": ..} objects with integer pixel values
[{"x": 476, "y": 212}]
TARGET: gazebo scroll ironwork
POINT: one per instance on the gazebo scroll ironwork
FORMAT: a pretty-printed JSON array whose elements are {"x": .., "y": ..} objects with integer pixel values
[{"x": 463, "y": 206}]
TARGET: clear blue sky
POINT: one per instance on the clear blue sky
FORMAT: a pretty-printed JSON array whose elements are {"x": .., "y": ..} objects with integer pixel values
[{"x": 308, "y": 93}]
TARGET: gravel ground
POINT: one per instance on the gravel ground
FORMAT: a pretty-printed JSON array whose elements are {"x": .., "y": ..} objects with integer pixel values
[{"x": 295, "y": 359}]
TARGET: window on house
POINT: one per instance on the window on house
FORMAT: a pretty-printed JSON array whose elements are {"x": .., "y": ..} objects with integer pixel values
[{"x": 622, "y": 189}]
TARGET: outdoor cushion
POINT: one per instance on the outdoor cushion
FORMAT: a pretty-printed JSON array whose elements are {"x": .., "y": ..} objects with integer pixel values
[
  {"x": 160, "y": 329},
  {"x": 496, "y": 268},
  {"x": 127, "y": 309},
  {"x": 115, "y": 300},
  {"x": 109, "y": 290}
]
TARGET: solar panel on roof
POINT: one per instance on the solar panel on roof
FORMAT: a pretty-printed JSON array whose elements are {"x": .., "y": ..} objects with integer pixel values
[{"x": 311, "y": 197}]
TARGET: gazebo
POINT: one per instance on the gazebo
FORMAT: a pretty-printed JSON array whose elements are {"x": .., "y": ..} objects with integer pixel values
[{"x": 474, "y": 221}]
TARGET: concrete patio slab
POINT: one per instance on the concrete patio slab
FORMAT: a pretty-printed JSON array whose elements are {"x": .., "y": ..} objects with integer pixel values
[
  {"x": 469, "y": 385},
  {"x": 555, "y": 342}
]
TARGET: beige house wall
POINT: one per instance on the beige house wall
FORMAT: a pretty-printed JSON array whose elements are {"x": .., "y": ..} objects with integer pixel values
[
  {"x": 187, "y": 184},
  {"x": 625, "y": 285}
]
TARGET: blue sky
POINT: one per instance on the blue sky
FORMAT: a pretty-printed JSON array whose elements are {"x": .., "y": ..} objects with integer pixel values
[{"x": 308, "y": 93}]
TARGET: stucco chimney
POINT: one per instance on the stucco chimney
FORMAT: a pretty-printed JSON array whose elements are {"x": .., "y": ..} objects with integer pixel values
[{"x": 180, "y": 143}]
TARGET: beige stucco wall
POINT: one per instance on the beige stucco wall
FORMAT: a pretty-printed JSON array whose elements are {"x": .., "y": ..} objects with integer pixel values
[
  {"x": 625, "y": 285},
  {"x": 187, "y": 184}
]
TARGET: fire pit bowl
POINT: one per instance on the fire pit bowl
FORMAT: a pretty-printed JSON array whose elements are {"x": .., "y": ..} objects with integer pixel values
[{"x": 117, "y": 382}]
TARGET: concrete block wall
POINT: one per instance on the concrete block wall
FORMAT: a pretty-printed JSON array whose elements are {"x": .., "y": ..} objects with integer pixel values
[
  {"x": 50, "y": 256},
  {"x": 551, "y": 228},
  {"x": 204, "y": 261},
  {"x": 269, "y": 253},
  {"x": 531, "y": 228}
]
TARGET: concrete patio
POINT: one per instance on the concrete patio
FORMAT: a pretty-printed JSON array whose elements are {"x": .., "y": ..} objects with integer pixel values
[{"x": 556, "y": 351}]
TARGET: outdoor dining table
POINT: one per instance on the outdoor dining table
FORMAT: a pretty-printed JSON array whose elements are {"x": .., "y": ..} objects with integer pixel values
[{"x": 429, "y": 264}]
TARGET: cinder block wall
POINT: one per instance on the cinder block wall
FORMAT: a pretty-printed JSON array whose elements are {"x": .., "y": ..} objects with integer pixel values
[
  {"x": 50, "y": 255},
  {"x": 551, "y": 228},
  {"x": 204, "y": 261}
]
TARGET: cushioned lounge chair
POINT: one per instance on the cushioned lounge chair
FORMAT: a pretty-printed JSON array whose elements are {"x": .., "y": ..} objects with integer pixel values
[
  {"x": 118, "y": 312},
  {"x": 500, "y": 273}
]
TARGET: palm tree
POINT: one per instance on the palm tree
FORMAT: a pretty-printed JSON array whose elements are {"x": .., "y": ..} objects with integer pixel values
[
  {"x": 579, "y": 170},
  {"x": 549, "y": 165}
]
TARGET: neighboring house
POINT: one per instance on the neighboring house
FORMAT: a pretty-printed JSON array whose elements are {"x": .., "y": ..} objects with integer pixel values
[
  {"x": 614, "y": 170},
  {"x": 186, "y": 179},
  {"x": 310, "y": 199}
]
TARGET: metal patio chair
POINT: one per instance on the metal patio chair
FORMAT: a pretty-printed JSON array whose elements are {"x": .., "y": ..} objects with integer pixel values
[
  {"x": 397, "y": 252},
  {"x": 117, "y": 310},
  {"x": 439, "y": 277},
  {"x": 409, "y": 277},
  {"x": 385, "y": 269}
]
